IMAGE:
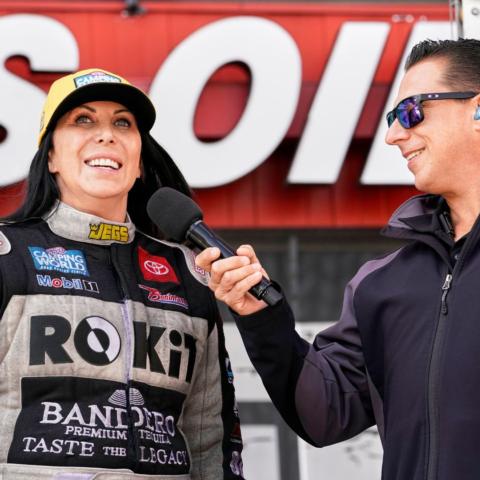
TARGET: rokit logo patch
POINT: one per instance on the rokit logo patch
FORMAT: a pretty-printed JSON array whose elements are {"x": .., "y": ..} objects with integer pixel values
[
  {"x": 156, "y": 268},
  {"x": 58, "y": 259},
  {"x": 157, "y": 297},
  {"x": 69, "y": 284},
  {"x": 94, "y": 431},
  {"x": 98, "y": 342},
  {"x": 107, "y": 231}
]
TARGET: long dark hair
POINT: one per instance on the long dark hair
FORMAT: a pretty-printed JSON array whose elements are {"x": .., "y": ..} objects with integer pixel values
[{"x": 159, "y": 170}]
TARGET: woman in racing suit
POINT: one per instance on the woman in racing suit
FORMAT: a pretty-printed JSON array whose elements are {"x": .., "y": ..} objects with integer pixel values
[{"x": 112, "y": 355}]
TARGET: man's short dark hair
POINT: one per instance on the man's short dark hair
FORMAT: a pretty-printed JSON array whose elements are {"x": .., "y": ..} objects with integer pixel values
[{"x": 462, "y": 56}]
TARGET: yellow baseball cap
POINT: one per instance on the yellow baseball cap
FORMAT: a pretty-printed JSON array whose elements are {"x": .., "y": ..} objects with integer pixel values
[{"x": 94, "y": 84}]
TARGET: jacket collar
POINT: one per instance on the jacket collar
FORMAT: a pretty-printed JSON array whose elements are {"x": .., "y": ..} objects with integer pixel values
[
  {"x": 73, "y": 224},
  {"x": 417, "y": 207},
  {"x": 421, "y": 215}
]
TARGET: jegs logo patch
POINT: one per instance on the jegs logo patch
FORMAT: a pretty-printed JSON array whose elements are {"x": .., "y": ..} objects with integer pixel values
[
  {"x": 60, "y": 260},
  {"x": 107, "y": 231}
]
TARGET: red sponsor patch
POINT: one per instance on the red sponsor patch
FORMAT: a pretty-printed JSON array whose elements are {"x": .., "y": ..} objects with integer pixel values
[
  {"x": 156, "y": 269},
  {"x": 155, "y": 296}
]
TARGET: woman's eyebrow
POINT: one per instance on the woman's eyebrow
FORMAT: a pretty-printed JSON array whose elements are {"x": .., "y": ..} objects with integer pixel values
[
  {"x": 123, "y": 110},
  {"x": 88, "y": 107}
]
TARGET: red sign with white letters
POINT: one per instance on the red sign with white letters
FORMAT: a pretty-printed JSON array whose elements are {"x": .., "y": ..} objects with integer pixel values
[{"x": 263, "y": 198}]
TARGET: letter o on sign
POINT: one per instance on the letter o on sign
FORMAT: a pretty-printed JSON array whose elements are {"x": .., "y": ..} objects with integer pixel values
[
  {"x": 97, "y": 341},
  {"x": 274, "y": 61}
]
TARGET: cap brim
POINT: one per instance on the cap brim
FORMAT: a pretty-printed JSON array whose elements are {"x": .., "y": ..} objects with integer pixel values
[{"x": 128, "y": 95}]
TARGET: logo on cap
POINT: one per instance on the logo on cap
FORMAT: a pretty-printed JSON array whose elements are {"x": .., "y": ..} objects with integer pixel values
[{"x": 95, "y": 77}]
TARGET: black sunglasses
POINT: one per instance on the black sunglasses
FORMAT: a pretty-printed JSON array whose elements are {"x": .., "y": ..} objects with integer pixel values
[{"x": 410, "y": 112}]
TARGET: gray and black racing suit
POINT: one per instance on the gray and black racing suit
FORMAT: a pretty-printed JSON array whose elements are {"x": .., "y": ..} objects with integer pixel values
[{"x": 112, "y": 357}]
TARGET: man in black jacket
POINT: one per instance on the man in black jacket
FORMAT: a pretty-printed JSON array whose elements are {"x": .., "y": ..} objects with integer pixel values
[{"x": 405, "y": 353}]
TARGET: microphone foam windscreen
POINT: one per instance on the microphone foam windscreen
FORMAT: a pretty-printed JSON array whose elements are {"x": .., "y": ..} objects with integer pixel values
[{"x": 173, "y": 212}]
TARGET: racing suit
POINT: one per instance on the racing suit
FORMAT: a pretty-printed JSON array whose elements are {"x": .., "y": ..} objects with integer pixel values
[
  {"x": 405, "y": 353},
  {"x": 112, "y": 357}
]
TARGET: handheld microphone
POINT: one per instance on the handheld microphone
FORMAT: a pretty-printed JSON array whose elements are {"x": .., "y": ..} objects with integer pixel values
[{"x": 180, "y": 218}]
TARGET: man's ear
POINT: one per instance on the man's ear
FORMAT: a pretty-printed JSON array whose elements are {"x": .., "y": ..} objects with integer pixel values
[{"x": 476, "y": 114}]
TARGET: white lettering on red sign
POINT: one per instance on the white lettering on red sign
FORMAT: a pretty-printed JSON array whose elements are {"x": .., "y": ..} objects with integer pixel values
[
  {"x": 275, "y": 64},
  {"x": 50, "y": 47},
  {"x": 385, "y": 165},
  {"x": 338, "y": 102}
]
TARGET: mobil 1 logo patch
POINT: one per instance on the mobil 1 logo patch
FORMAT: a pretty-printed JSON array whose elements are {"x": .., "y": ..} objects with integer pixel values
[
  {"x": 68, "y": 284},
  {"x": 96, "y": 340}
]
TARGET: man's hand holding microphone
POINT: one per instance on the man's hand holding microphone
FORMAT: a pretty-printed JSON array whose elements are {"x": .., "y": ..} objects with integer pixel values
[{"x": 231, "y": 278}]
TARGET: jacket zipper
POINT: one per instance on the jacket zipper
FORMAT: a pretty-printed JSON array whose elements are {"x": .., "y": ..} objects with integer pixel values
[
  {"x": 127, "y": 324},
  {"x": 433, "y": 381},
  {"x": 445, "y": 289},
  {"x": 433, "y": 372},
  {"x": 434, "y": 367}
]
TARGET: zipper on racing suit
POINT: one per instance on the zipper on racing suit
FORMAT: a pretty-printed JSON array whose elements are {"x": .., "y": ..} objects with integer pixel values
[{"x": 132, "y": 441}]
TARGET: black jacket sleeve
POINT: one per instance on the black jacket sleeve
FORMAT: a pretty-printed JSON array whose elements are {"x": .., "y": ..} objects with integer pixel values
[{"x": 320, "y": 389}]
